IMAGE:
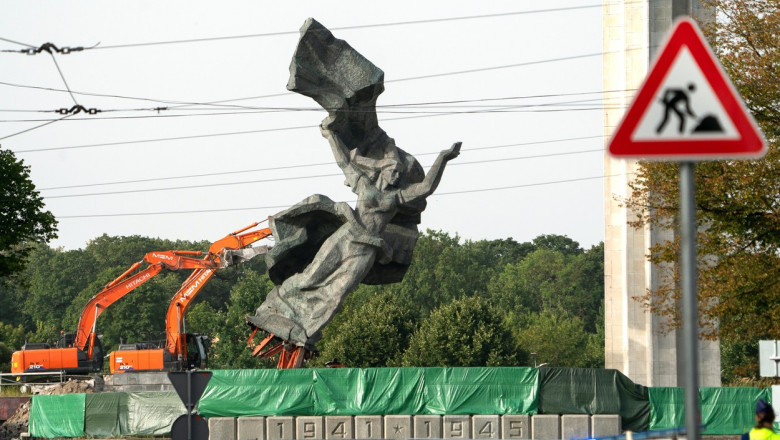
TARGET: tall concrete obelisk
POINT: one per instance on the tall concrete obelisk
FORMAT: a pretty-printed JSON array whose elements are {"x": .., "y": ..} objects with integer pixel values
[{"x": 633, "y": 32}]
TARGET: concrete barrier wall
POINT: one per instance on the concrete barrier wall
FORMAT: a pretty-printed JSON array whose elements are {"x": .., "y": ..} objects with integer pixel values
[
  {"x": 400, "y": 427},
  {"x": 133, "y": 382}
]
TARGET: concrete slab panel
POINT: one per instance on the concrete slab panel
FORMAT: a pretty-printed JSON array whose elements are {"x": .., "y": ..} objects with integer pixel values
[
  {"x": 368, "y": 427},
  {"x": 575, "y": 426},
  {"x": 457, "y": 426},
  {"x": 427, "y": 426},
  {"x": 605, "y": 425},
  {"x": 250, "y": 428},
  {"x": 223, "y": 428},
  {"x": 485, "y": 426},
  {"x": 279, "y": 428},
  {"x": 516, "y": 426},
  {"x": 398, "y": 427},
  {"x": 338, "y": 427},
  {"x": 309, "y": 427},
  {"x": 546, "y": 427}
]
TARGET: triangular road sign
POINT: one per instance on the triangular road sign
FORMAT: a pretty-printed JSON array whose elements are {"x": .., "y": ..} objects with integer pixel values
[
  {"x": 687, "y": 108},
  {"x": 196, "y": 381}
]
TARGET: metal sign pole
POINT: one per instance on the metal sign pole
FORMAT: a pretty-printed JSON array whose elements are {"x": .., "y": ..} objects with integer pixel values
[
  {"x": 189, "y": 405},
  {"x": 690, "y": 304}
]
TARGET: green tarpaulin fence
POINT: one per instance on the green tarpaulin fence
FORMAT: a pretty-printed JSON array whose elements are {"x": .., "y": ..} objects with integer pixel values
[
  {"x": 667, "y": 407},
  {"x": 724, "y": 410},
  {"x": 353, "y": 391},
  {"x": 594, "y": 391},
  {"x": 151, "y": 413},
  {"x": 57, "y": 416},
  {"x": 105, "y": 415}
]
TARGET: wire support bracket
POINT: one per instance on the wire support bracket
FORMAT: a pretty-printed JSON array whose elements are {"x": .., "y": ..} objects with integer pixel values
[{"x": 78, "y": 108}]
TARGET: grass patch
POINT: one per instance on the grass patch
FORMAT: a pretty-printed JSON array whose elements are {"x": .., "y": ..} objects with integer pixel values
[{"x": 11, "y": 391}]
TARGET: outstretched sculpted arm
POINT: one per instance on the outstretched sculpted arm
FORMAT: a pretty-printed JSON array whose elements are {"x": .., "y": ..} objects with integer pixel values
[{"x": 425, "y": 188}]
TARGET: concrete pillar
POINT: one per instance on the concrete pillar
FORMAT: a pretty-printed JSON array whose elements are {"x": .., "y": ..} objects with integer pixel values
[
  {"x": 251, "y": 428},
  {"x": 634, "y": 344}
]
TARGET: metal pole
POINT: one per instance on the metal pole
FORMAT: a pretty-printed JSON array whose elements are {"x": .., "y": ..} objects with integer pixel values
[
  {"x": 690, "y": 304},
  {"x": 189, "y": 405}
]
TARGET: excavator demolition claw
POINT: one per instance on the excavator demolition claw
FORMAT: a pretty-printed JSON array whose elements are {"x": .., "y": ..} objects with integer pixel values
[{"x": 290, "y": 355}]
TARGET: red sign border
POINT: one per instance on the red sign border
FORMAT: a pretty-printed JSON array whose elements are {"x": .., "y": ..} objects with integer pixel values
[{"x": 750, "y": 145}]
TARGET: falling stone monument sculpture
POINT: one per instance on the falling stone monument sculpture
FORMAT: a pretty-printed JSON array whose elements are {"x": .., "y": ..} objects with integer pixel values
[{"x": 324, "y": 249}]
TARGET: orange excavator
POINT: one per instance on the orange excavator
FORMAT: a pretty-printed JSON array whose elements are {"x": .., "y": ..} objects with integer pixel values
[
  {"x": 81, "y": 352},
  {"x": 183, "y": 351}
]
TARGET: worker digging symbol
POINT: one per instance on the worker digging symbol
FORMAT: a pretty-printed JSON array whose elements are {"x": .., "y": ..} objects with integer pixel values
[{"x": 678, "y": 101}]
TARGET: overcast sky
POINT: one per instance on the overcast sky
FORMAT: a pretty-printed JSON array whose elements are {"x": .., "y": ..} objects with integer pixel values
[{"x": 518, "y": 82}]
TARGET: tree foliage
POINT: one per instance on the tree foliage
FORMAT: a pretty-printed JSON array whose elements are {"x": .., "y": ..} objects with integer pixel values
[
  {"x": 23, "y": 220},
  {"x": 372, "y": 334},
  {"x": 737, "y": 202},
  {"x": 461, "y": 303},
  {"x": 466, "y": 332}
]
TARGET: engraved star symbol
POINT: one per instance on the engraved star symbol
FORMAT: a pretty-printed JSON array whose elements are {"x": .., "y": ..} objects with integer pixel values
[{"x": 398, "y": 429}]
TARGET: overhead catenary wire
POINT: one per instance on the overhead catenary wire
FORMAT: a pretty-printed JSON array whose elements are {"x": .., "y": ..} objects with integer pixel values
[
  {"x": 404, "y": 79},
  {"x": 414, "y": 78},
  {"x": 341, "y": 28},
  {"x": 527, "y": 108},
  {"x": 347, "y": 28},
  {"x": 281, "y": 179},
  {"x": 234, "y": 133},
  {"x": 424, "y": 104},
  {"x": 201, "y": 211},
  {"x": 34, "y": 128},
  {"x": 64, "y": 81},
  {"x": 278, "y": 168},
  {"x": 16, "y": 42}
]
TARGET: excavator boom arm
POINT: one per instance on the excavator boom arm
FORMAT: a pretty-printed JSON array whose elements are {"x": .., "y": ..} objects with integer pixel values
[
  {"x": 126, "y": 283},
  {"x": 109, "y": 295},
  {"x": 174, "y": 318}
]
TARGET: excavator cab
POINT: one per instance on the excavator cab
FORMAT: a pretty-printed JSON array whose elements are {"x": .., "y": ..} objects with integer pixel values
[
  {"x": 197, "y": 351},
  {"x": 66, "y": 340}
]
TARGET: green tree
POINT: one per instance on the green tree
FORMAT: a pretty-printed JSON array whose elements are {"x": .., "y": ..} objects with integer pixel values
[
  {"x": 374, "y": 334},
  {"x": 23, "y": 220},
  {"x": 54, "y": 279},
  {"x": 557, "y": 337},
  {"x": 12, "y": 337},
  {"x": 466, "y": 332},
  {"x": 559, "y": 243},
  {"x": 737, "y": 201},
  {"x": 5, "y": 357}
]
